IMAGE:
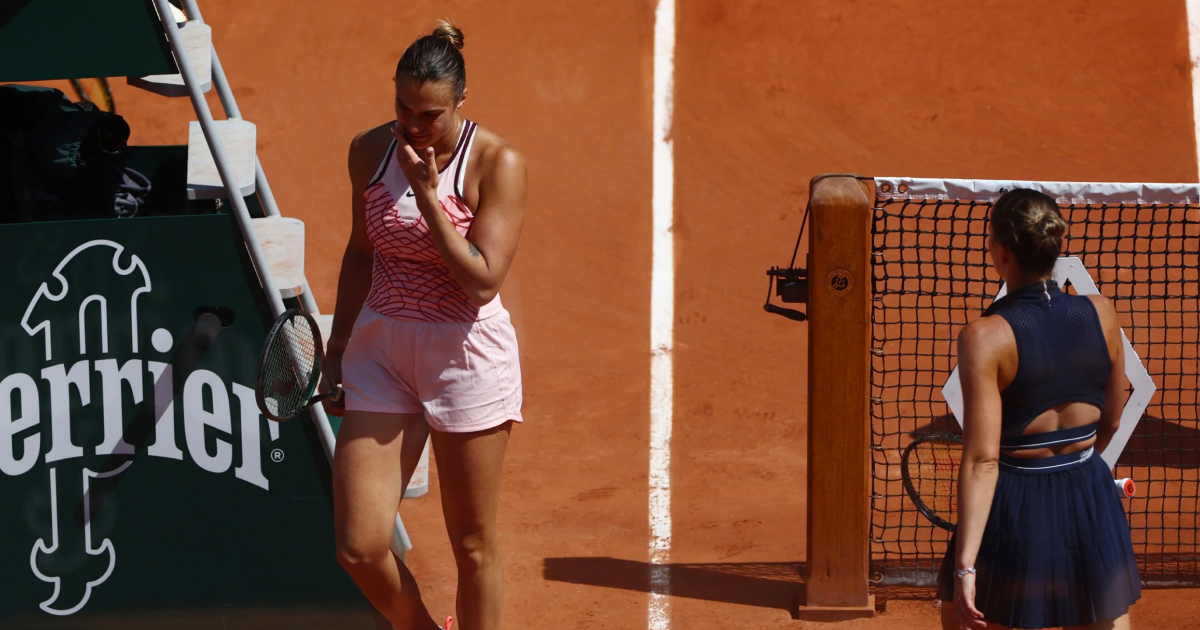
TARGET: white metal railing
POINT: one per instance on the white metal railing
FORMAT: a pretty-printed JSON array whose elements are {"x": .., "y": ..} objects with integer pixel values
[{"x": 241, "y": 212}]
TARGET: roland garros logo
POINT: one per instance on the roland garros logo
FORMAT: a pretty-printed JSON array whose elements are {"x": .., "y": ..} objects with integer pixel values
[{"x": 70, "y": 556}]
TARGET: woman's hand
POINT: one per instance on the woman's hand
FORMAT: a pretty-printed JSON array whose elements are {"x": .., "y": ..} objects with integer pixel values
[
  {"x": 967, "y": 615},
  {"x": 421, "y": 173},
  {"x": 331, "y": 370}
]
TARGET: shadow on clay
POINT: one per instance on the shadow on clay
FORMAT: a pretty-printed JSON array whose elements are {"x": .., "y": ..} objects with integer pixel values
[{"x": 764, "y": 584}]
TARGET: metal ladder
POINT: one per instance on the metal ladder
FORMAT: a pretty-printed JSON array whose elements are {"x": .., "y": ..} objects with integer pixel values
[{"x": 231, "y": 179}]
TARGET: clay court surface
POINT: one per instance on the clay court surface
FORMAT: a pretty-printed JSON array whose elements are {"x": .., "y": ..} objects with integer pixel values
[{"x": 768, "y": 93}]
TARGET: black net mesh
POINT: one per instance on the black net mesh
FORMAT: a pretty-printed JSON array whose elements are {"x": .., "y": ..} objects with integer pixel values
[
  {"x": 932, "y": 275},
  {"x": 289, "y": 370}
]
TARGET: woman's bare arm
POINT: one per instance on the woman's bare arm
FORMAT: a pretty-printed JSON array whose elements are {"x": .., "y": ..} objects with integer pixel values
[
  {"x": 478, "y": 263},
  {"x": 354, "y": 281},
  {"x": 1116, "y": 393},
  {"x": 979, "y": 347}
]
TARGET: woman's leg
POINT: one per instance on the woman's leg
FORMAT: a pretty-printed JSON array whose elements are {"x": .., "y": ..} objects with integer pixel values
[
  {"x": 469, "y": 467},
  {"x": 949, "y": 616},
  {"x": 375, "y": 457},
  {"x": 950, "y": 619},
  {"x": 1120, "y": 623}
]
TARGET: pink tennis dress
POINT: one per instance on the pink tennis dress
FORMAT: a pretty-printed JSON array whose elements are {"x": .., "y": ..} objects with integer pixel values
[{"x": 419, "y": 345}]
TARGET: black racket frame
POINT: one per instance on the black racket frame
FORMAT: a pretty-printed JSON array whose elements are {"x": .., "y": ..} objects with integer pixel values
[
  {"x": 319, "y": 351},
  {"x": 911, "y": 489}
]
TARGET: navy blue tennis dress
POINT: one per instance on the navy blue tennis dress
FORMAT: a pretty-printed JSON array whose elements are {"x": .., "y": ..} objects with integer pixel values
[{"x": 1056, "y": 548}]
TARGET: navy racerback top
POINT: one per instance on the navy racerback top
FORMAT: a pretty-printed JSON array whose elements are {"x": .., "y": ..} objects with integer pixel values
[{"x": 1062, "y": 356}]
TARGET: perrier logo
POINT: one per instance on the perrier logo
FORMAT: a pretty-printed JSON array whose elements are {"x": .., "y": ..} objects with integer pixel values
[{"x": 102, "y": 394}]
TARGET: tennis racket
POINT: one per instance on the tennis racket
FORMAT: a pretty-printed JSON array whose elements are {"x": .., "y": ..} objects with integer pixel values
[
  {"x": 929, "y": 468},
  {"x": 290, "y": 367}
]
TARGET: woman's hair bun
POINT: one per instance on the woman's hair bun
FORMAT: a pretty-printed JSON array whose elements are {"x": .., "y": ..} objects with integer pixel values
[
  {"x": 1031, "y": 224},
  {"x": 430, "y": 59},
  {"x": 450, "y": 33},
  {"x": 1050, "y": 225}
]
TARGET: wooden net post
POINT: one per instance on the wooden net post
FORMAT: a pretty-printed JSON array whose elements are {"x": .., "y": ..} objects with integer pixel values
[{"x": 839, "y": 413}]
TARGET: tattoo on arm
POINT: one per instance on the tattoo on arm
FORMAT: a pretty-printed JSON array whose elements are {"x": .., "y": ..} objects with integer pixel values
[{"x": 474, "y": 250}]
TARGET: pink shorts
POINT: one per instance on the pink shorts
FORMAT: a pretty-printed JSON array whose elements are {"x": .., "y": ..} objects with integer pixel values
[{"x": 463, "y": 376}]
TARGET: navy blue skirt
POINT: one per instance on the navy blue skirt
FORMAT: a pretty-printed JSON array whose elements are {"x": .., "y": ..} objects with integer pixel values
[{"x": 1056, "y": 548}]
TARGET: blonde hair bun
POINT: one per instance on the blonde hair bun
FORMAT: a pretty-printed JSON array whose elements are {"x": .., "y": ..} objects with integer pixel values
[{"x": 450, "y": 33}]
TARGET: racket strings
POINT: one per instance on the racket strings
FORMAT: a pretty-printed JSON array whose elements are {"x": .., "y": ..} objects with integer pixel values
[
  {"x": 290, "y": 369},
  {"x": 936, "y": 468}
]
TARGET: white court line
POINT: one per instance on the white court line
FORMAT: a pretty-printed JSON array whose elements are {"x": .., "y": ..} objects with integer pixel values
[
  {"x": 662, "y": 318},
  {"x": 1193, "y": 20}
]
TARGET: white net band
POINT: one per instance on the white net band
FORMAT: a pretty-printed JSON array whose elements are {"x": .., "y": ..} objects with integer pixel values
[{"x": 988, "y": 190}]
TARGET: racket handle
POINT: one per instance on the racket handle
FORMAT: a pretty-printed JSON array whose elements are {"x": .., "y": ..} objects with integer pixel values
[
  {"x": 789, "y": 313},
  {"x": 1126, "y": 486}
]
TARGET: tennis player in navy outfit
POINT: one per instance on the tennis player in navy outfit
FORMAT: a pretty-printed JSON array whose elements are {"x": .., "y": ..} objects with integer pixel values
[{"x": 1042, "y": 540}]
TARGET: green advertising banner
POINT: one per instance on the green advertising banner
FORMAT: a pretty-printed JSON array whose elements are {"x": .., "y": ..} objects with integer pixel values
[
  {"x": 138, "y": 481},
  {"x": 79, "y": 39}
]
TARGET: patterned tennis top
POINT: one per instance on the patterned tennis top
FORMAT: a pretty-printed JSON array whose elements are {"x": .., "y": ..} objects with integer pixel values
[{"x": 409, "y": 280}]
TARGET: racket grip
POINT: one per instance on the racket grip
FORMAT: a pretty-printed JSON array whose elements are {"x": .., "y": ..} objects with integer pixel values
[
  {"x": 789, "y": 313},
  {"x": 1126, "y": 486}
]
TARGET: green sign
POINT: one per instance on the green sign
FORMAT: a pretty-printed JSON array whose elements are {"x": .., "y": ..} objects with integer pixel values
[
  {"x": 77, "y": 39},
  {"x": 137, "y": 477}
]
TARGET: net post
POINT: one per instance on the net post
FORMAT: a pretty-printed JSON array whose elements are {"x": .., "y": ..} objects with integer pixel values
[{"x": 839, "y": 377}]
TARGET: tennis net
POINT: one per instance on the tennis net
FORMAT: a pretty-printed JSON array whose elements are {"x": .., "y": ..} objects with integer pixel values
[{"x": 1141, "y": 245}]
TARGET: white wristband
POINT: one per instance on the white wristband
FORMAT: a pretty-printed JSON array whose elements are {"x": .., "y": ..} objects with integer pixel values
[{"x": 962, "y": 573}]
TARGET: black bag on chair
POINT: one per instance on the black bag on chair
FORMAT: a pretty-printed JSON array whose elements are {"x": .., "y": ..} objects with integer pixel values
[{"x": 58, "y": 159}]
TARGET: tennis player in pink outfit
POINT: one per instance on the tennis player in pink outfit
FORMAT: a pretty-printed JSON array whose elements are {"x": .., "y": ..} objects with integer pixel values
[{"x": 420, "y": 338}]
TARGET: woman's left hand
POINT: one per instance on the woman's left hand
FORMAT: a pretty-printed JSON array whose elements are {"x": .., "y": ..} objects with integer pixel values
[
  {"x": 968, "y": 616},
  {"x": 421, "y": 173}
]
